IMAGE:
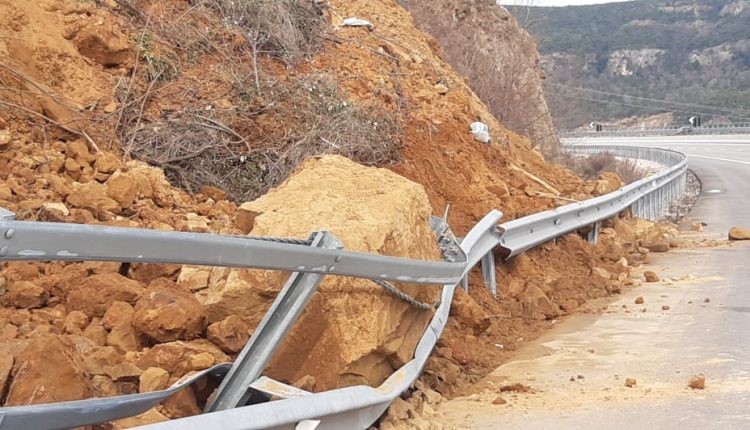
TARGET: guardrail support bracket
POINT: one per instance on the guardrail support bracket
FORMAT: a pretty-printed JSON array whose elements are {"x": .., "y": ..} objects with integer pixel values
[{"x": 593, "y": 236}]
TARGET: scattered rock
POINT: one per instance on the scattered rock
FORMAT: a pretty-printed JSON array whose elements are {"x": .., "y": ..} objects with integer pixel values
[
  {"x": 49, "y": 370},
  {"x": 697, "y": 382},
  {"x": 174, "y": 356},
  {"x": 665, "y": 307},
  {"x": 739, "y": 233},
  {"x": 27, "y": 295},
  {"x": 229, "y": 334},
  {"x": 168, "y": 313},
  {"x": 469, "y": 312},
  {"x": 180, "y": 405},
  {"x": 4, "y": 138},
  {"x": 639, "y": 300},
  {"x": 96, "y": 293},
  {"x": 195, "y": 278},
  {"x": 75, "y": 322},
  {"x": 696, "y": 226},
  {"x": 706, "y": 300},
  {"x": 651, "y": 276},
  {"x": 656, "y": 246},
  {"x": 499, "y": 401},
  {"x": 111, "y": 107},
  {"x": 123, "y": 372},
  {"x": 630, "y": 382},
  {"x": 153, "y": 379}
]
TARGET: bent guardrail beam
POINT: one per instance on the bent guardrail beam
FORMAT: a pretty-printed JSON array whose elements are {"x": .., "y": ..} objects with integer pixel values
[{"x": 43, "y": 241}]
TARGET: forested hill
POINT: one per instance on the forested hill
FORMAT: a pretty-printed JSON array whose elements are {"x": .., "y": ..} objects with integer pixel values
[{"x": 689, "y": 52}]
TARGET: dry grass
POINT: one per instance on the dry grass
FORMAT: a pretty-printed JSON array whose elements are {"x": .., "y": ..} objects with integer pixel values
[
  {"x": 196, "y": 148},
  {"x": 275, "y": 121},
  {"x": 593, "y": 166}
]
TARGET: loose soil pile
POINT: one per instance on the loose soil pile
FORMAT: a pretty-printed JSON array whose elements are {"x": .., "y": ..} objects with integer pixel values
[{"x": 82, "y": 89}]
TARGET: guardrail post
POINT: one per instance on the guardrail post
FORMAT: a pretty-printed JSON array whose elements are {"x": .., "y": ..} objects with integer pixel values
[
  {"x": 234, "y": 390},
  {"x": 593, "y": 236},
  {"x": 488, "y": 272}
]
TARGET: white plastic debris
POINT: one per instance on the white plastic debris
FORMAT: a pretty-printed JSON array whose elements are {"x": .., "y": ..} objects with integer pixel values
[
  {"x": 357, "y": 22},
  {"x": 480, "y": 131}
]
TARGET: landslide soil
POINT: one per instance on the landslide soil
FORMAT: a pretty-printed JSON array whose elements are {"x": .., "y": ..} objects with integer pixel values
[{"x": 117, "y": 329}]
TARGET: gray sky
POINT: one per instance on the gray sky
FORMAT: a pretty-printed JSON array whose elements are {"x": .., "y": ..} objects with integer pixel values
[{"x": 555, "y": 2}]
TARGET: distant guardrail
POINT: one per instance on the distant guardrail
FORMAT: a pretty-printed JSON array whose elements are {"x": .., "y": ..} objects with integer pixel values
[
  {"x": 310, "y": 260},
  {"x": 669, "y": 130}
]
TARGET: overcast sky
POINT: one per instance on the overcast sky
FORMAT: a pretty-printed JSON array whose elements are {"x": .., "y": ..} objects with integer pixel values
[{"x": 555, "y": 2}]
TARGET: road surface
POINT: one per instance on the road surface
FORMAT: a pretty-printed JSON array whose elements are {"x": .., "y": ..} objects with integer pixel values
[{"x": 579, "y": 368}]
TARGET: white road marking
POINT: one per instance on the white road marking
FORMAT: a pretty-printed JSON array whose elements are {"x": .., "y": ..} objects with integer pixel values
[{"x": 720, "y": 159}]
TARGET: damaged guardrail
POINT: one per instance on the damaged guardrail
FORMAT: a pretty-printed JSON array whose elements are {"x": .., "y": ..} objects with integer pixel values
[{"x": 310, "y": 260}]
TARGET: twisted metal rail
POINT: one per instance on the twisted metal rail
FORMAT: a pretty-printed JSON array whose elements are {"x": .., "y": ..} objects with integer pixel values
[{"x": 310, "y": 260}]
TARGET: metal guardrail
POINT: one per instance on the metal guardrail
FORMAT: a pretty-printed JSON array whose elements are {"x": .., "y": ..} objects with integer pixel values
[
  {"x": 669, "y": 130},
  {"x": 346, "y": 408}
]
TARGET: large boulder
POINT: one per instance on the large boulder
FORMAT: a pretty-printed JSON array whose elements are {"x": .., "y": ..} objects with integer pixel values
[
  {"x": 352, "y": 331},
  {"x": 49, "y": 370}
]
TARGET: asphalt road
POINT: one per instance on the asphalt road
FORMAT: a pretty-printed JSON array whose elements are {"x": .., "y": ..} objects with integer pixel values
[{"x": 579, "y": 368}]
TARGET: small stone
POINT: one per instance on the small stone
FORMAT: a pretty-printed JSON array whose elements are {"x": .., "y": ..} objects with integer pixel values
[
  {"x": 111, "y": 107},
  {"x": 697, "y": 382},
  {"x": 229, "y": 334},
  {"x": 657, "y": 246},
  {"x": 75, "y": 322},
  {"x": 580, "y": 377},
  {"x": 153, "y": 379},
  {"x": 123, "y": 372},
  {"x": 639, "y": 300},
  {"x": 441, "y": 89},
  {"x": 167, "y": 313},
  {"x": 499, "y": 401},
  {"x": 195, "y": 278},
  {"x": 739, "y": 233},
  {"x": 665, "y": 307},
  {"x": 201, "y": 361},
  {"x": 651, "y": 276},
  {"x": 706, "y": 300},
  {"x": 696, "y": 226},
  {"x": 630, "y": 382},
  {"x": 27, "y": 295},
  {"x": 4, "y": 138},
  {"x": 59, "y": 208}
]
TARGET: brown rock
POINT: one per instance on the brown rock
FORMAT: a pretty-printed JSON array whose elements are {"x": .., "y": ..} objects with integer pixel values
[
  {"x": 49, "y": 370},
  {"x": 96, "y": 293},
  {"x": 696, "y": 226},
  {"x": 213, "y": 193},
  {"x": 180, "y": 405},
  {"x": 92, "y": 196},
  {"x": 499, "y": 401},
  {"x": 147, "y": 273},
  {"x": 697, "y": 382},
  {"x": 103, "y": 43},
  {"x": 638, "y": 300},
  {"x": 151, "y": 416},
  {"x": 6, "y": 365},
  {"x": 124, "y": 372},
  {"x": 123, "y": 338},
  {"x": 201, "y": 361},
  {"x": 537, "y": 305},
  {"x": 169, "y": 313},
  {"x": 4, "y": 138},
  {"x": 195, "y": 278},
  {"x": 25, "y": 294},
  {"x": 119, "y": 313},
  {"x": 103, "y": 386},
  {"x": 229, "y": 334},
  {"x": 107, "y": 162},
  {"x": 97, "y": 360},
  {"x": 630, "y": 382},
  {"x": 665, "y": 307},
  {"x": 153, "y": 379},
  {"x": 656, "y": 246},
  {"x": 468, "y": 311},
  {"x": 174, "y": 356},
  {"x": 650, "y": 276},
  {"x": 706, "y": 300},
  {"x": 739, "y": 233},
  {"x": 123, "y": 189},
  {"x": 75, "y": 322},
  {"x": 374, "y": 331}
]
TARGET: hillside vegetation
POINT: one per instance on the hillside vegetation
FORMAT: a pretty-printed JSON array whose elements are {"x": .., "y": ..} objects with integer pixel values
[{"x": 682, "y": 51}]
